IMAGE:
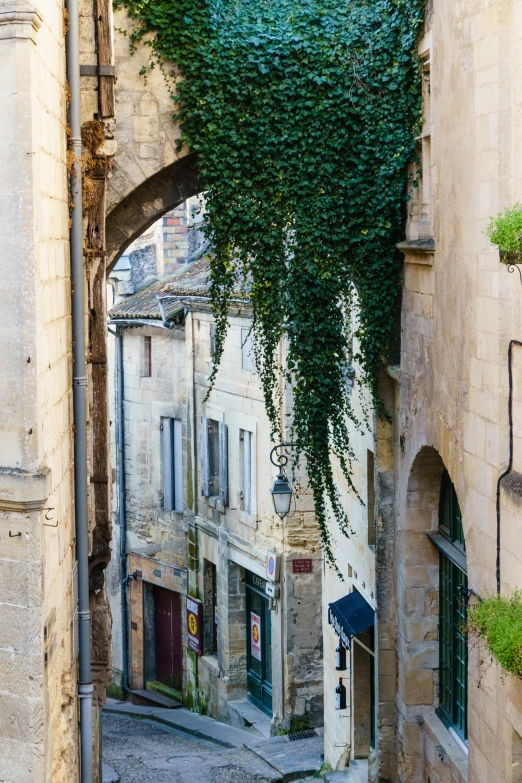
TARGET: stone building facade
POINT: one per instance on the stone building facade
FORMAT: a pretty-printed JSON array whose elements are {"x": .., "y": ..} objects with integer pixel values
[
  {"x": 443, "y": 711},
  {"x": 200, "y": 525},
  {"x": 39, "y": 737}
]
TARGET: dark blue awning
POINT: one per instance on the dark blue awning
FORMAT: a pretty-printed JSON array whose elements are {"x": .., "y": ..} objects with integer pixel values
[{"x": 350, "y": 615}]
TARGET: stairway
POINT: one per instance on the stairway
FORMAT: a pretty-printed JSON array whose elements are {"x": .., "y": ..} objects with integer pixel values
[{"x": 151, "y": 699}]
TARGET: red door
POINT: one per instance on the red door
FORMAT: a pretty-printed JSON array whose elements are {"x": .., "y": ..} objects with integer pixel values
[{"x": 167, "y": 622}]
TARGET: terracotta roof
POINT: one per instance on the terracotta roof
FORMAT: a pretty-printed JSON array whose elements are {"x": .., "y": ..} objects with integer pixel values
[{"x": 188, "y": 281}]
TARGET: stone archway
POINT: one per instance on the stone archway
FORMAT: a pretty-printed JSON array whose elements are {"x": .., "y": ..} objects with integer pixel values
[
  {"x": 417, "y": 598},
  {"x": 147, "y": 203},
  {"x": 418, "y": 611}
]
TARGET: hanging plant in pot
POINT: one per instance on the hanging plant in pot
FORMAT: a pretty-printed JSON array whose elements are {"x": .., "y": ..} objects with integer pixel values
[{"x": 505, "y": 231}]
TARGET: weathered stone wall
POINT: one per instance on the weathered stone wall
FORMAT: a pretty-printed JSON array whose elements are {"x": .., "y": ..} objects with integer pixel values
[
  {"x": 232, "y": 539},
  {"x": 460, "y": 310},
  {"x": 246, "y": 538},
  {"x": 38, "y": 726},
  {"x": 149, "y": 177}
]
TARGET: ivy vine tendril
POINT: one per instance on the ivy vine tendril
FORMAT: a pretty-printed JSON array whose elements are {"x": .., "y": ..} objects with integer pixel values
[{"x": 303, "y": 115}]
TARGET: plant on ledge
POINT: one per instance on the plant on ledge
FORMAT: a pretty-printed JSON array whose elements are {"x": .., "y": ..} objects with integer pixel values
[
  {"x": 303, "y": 115},
  {"x": 505, "y": 231},
  {"x": 497, "y": 623}
]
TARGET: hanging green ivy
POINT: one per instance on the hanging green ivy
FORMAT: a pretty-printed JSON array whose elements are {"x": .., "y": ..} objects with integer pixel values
[{"x": 303, "y": 114}]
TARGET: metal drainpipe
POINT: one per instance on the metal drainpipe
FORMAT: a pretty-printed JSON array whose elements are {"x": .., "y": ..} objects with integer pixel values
[
  {"x": 85, "y": 686},
  {"x": 123, "y": 519},
  {"x": 510, "y": 463}
]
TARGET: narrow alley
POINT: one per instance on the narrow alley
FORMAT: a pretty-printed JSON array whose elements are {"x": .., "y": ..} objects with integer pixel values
[{"x": 138, "y": 749}]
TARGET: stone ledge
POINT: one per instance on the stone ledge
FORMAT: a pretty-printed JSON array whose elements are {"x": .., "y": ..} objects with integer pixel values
[
  {"x": 444, "y": 748},
  {"x": 417, "y": 251},
  {"x": 22, "y": 491},
  {"x": 19, "y": 21}
]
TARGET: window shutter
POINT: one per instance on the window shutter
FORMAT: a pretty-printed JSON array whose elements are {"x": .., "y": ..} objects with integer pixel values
[
  {"x": 167, "y": 462},
  {"x": 178, "y": 466},
  {"x": 247, "y": 471},
  {"x": 223, "y": 463},
  {"x": 205, "y": 464}
]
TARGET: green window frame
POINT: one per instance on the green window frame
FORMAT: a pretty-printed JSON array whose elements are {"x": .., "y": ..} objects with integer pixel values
[{"x": 453, "y": 643}]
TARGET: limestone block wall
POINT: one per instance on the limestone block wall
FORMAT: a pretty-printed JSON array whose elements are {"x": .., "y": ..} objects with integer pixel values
[
  {"x": 145, "y": 132},
  {"x": 461, "y": 308},
  {"x": 151, "y": 530},
  {"x": 237, "y": 400},
  {"x": 146, "y": 401},
  {"x": 38, "y": 726}
]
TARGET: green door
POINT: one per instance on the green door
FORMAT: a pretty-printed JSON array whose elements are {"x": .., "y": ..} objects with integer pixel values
[{"x": 259, "y": 644}]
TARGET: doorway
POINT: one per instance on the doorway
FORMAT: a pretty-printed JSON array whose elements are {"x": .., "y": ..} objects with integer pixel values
[
  {"x": 163, "y": 643},
  {"x": 259, "y": 643},
  {"x": 363, "y": 697}
]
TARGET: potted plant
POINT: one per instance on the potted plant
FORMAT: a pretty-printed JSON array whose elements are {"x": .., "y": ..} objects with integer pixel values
[{"x": 505, "y": 231}]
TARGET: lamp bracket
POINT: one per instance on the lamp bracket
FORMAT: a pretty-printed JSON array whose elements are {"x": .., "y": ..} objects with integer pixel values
[{"x": 282, "y": 459}]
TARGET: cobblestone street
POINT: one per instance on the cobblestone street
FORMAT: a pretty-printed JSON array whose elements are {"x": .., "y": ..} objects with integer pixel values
[{"x": 140, "y": 751}]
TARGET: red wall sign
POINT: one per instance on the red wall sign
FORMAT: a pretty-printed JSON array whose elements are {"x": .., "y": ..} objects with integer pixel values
[
  {"x": 302, "y": 566},
  {"x": 195, "y": 625}
]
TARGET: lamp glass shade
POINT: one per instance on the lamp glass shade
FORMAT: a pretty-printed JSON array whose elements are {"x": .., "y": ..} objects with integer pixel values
[{"x": 281, "y": 495}]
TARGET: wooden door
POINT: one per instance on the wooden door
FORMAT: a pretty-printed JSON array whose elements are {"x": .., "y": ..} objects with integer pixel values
[{"x": 168, "y": 642}]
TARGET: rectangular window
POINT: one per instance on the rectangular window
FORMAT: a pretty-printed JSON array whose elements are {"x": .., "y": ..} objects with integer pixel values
[
  {"x": 214, "y": 611},
  {"x": 212, "y": 339},
  {"x": 370, "y": 496},
  {"x": 247, "y": 354},
  {"x": 453, "y": 663},
  {"x": 210, "y": 602},
  {"x": 214, "y": 459},
  {"x": 171, "y": 458},
  {"x": 246, "y": 469},
  {"x": 146, "y": 367}
]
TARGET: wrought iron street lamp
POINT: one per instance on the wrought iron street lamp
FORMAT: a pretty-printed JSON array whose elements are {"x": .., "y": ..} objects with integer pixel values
[{"x": 281, "y": 490}]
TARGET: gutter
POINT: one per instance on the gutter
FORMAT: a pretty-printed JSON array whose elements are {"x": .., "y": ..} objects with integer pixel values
[
  {"x": 122, "y": 509},
  {"x": 120, "y": 322},
  {"x": 85, "y": 686},
  {"x": 510, "y": 462}
]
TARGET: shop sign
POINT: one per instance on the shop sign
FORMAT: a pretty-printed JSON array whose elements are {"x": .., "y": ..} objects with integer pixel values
[
  {"x": 255, "y": 636},
  {"x": 195, "y": 625},
  {"x": 272, "y": 566},
  {"x": 303, "y": 566}
]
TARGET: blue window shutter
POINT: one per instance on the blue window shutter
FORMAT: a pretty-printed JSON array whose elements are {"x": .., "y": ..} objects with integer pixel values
[
  {"x": 223, "y": 463},
  {"x": 178, "y": 466},
  {"x": 205, "y": 464}
]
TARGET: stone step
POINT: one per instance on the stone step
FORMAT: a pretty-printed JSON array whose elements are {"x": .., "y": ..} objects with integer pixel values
[
  {"x": 242, "y": 714},
  {"x": 342, "y": 776},
  {"x": 151, "y": 699},
  {"x": 359, "y": 770},
  {"x": 293, "y": 760}
]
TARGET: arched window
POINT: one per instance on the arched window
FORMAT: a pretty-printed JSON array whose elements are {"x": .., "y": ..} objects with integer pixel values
[{"x": 453, "y": 646}]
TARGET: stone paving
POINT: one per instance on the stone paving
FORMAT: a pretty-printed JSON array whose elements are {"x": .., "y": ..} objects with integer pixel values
[{"x": 141, "y": 750}]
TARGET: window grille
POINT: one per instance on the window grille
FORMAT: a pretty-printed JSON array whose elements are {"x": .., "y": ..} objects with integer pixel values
[{"x": 453, "y": 644}]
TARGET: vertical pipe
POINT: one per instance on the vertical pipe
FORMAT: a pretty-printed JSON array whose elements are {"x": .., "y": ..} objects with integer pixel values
[
  {"x": 510, "y": 462},
  {"x": 85, "y": 687},
  {"x": 122, "y": 510}
]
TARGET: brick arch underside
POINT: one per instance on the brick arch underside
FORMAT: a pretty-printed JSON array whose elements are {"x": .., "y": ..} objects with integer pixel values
[{"x": 162, "y": 192}]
